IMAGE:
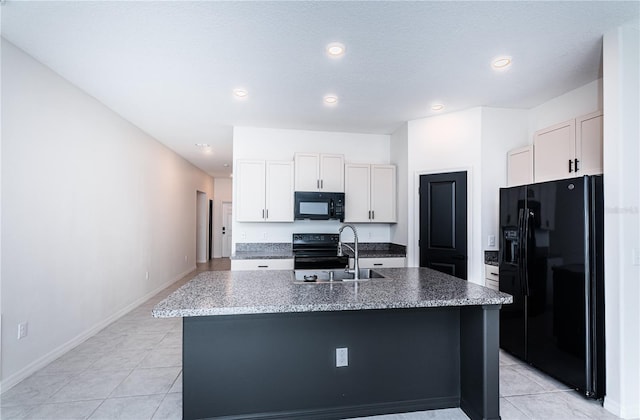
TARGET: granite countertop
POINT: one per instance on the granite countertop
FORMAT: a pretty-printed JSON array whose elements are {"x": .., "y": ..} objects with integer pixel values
[
  {"x": 377, "y": 250},
  {"x": 272, "y": 251},
  {"x": 258, "y": 292},
  {"x": 491, "y": 257},
  {"x": 263, "y": 251}
]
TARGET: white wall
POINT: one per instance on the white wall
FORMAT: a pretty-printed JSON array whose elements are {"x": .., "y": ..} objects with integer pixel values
[
  {"x": 502, "y": 130},
  {"x": 90, "y": 203},
  {"x": 622, "y": 219},
  {"x": 400, "y": 158},
  {"x": 277, "y": 144},
  {"x": 222, "y": 191},
  {"x": 581, "y": 101},
  {"x": 446, "y": 143},
  {"x": 476, "y": 141}
]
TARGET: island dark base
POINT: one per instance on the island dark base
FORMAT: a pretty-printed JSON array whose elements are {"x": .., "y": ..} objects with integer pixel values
[{"x": 271, "y": 366}]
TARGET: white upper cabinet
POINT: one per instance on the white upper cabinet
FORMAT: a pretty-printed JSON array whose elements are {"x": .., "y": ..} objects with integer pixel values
[
  {"x": 569, "y": 149},
  {"x": 357, "y": 196},
  {"x": 264, "y": 191},
  {"x": 279, "y": 192},
  {"x": 319, "y": 172},
  {"x": 589, "y": 148},
  {"x": 520, "y": 166},
  {"x": 554, "y": 151},
  {"x": 370, "y": 193}
]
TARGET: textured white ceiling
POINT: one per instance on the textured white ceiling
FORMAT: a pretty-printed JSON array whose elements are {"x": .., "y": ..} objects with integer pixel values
[{"x": 170, "y": 66}]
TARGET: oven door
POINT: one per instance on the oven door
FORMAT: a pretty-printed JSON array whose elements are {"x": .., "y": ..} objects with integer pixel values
[{"x": 318, "y": 261}]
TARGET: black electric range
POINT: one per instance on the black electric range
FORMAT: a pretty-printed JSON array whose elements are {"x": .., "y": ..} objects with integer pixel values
[{"x": 315, "y": 251}]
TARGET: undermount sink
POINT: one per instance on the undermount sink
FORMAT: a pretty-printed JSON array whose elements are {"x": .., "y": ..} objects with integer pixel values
[{"x": 332, "y": 276}]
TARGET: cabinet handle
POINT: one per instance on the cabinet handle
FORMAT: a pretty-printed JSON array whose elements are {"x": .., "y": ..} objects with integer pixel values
[
  {"x": 570, "y": 167},
  {"x": 263, "y": 266},
  {"x": 263, "y": 213},
  {"x": 267, "y": 214},
  {"x": 494, "y": 274},
  {"x": 377, "y": 263},
  {"x": 369, "y": 214},
  {"x": 575, "y": 165},
  {"x": 322, "y": 184},
  {"x": 373, "y": 214},
  {"x": 317, "y": 183}
]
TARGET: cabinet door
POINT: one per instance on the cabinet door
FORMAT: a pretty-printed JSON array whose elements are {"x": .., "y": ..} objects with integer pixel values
[
  {"x": 383, "y": 193},
  {"x": 307, "y": 171},
  {"x": 554, "y": 150},
  {"x": 357, "y": 193},
  {"x": 279, "y": 191},
  {"x": 589, "y": 144},
  {"x": 250, "y": 190},
  {"x": 520, "y": 166},
  {"x": 332, "y": 173}
]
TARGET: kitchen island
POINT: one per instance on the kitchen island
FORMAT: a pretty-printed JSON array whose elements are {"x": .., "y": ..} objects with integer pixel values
[{"x": 257, "y": 344}]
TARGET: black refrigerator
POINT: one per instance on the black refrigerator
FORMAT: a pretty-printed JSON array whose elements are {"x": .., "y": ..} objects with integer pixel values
[{"x": 551, "y": 261}]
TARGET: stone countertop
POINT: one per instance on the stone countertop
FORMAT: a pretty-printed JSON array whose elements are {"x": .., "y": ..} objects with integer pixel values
[
  {"x": 261, "y": 292},
  {"x": 377, "y": 250}
]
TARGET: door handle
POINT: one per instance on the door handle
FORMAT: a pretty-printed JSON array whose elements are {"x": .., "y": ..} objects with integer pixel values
[{"x": 459, "y": 257}]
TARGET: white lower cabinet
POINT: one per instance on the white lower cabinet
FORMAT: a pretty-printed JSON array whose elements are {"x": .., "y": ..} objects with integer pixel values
[
  {"x": 266, "y": 264},
  {"x": 386, "y": 262},
  {"x": 491, "y": 276}
]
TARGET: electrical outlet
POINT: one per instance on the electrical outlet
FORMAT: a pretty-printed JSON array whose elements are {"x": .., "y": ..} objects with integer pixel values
[
  {"x": 342, "y": 357},
  {"x": 185, "y": 258},
  {"x": 146, "y": 275},
  {"x": 22, "y": 330},
  {"x": 491, "y": 241}
]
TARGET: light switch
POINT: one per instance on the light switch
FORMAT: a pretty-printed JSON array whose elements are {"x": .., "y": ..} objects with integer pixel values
[{"x": 491, "y": 241}]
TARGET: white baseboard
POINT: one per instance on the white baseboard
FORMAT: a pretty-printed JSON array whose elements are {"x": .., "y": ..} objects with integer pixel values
[
  {"x": 13, "y": 380},
  {"x": 629, "y": 411}
]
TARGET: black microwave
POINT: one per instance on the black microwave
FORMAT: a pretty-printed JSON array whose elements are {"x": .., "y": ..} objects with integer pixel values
[{"x": 319, "y": 206}]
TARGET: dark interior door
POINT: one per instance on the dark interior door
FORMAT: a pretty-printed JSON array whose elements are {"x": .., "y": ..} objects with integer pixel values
[{"x": 443, "y": 223}]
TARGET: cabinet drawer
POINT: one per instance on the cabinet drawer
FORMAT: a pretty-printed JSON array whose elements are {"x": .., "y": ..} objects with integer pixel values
[
  {"x": 491, "y": 272},
  {"x": 268, "y": 264},
  {"x": 492, "y": 284},
  {"x": 391, "y": 262}
]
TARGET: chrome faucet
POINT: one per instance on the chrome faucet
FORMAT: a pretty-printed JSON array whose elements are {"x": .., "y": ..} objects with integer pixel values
[{"x": 356, "y": 265}]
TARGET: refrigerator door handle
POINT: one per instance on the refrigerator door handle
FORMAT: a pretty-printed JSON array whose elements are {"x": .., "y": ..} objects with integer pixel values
[
  {"x": 527, "y": 220},
  {"x": 520, "y": 253}
]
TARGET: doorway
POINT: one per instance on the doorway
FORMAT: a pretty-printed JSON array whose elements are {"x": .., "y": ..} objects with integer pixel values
[
  {"x": 227, "y": 233},
  {"x": 201, "y": 227},
  {"x": 443, "y": 222}
]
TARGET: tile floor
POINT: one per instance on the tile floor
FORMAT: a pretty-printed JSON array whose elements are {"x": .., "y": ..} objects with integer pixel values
[{"x": 132, "y": 370}]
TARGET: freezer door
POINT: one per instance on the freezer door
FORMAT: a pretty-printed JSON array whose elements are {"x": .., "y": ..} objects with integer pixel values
[
  {"x": 557, "y": 282},
  {"x": 512, "y": 317}
]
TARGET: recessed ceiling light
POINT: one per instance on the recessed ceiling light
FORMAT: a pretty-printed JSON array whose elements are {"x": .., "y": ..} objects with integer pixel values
[
  {"x": 330, "y": 99},
  {"x": 501, "y": 63},
  {"x": 203, "y": 145},
  {"x": 240, "y": 93},
  {"x": 437, "y": 107},
  {"x": 335, "y": 49}
]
